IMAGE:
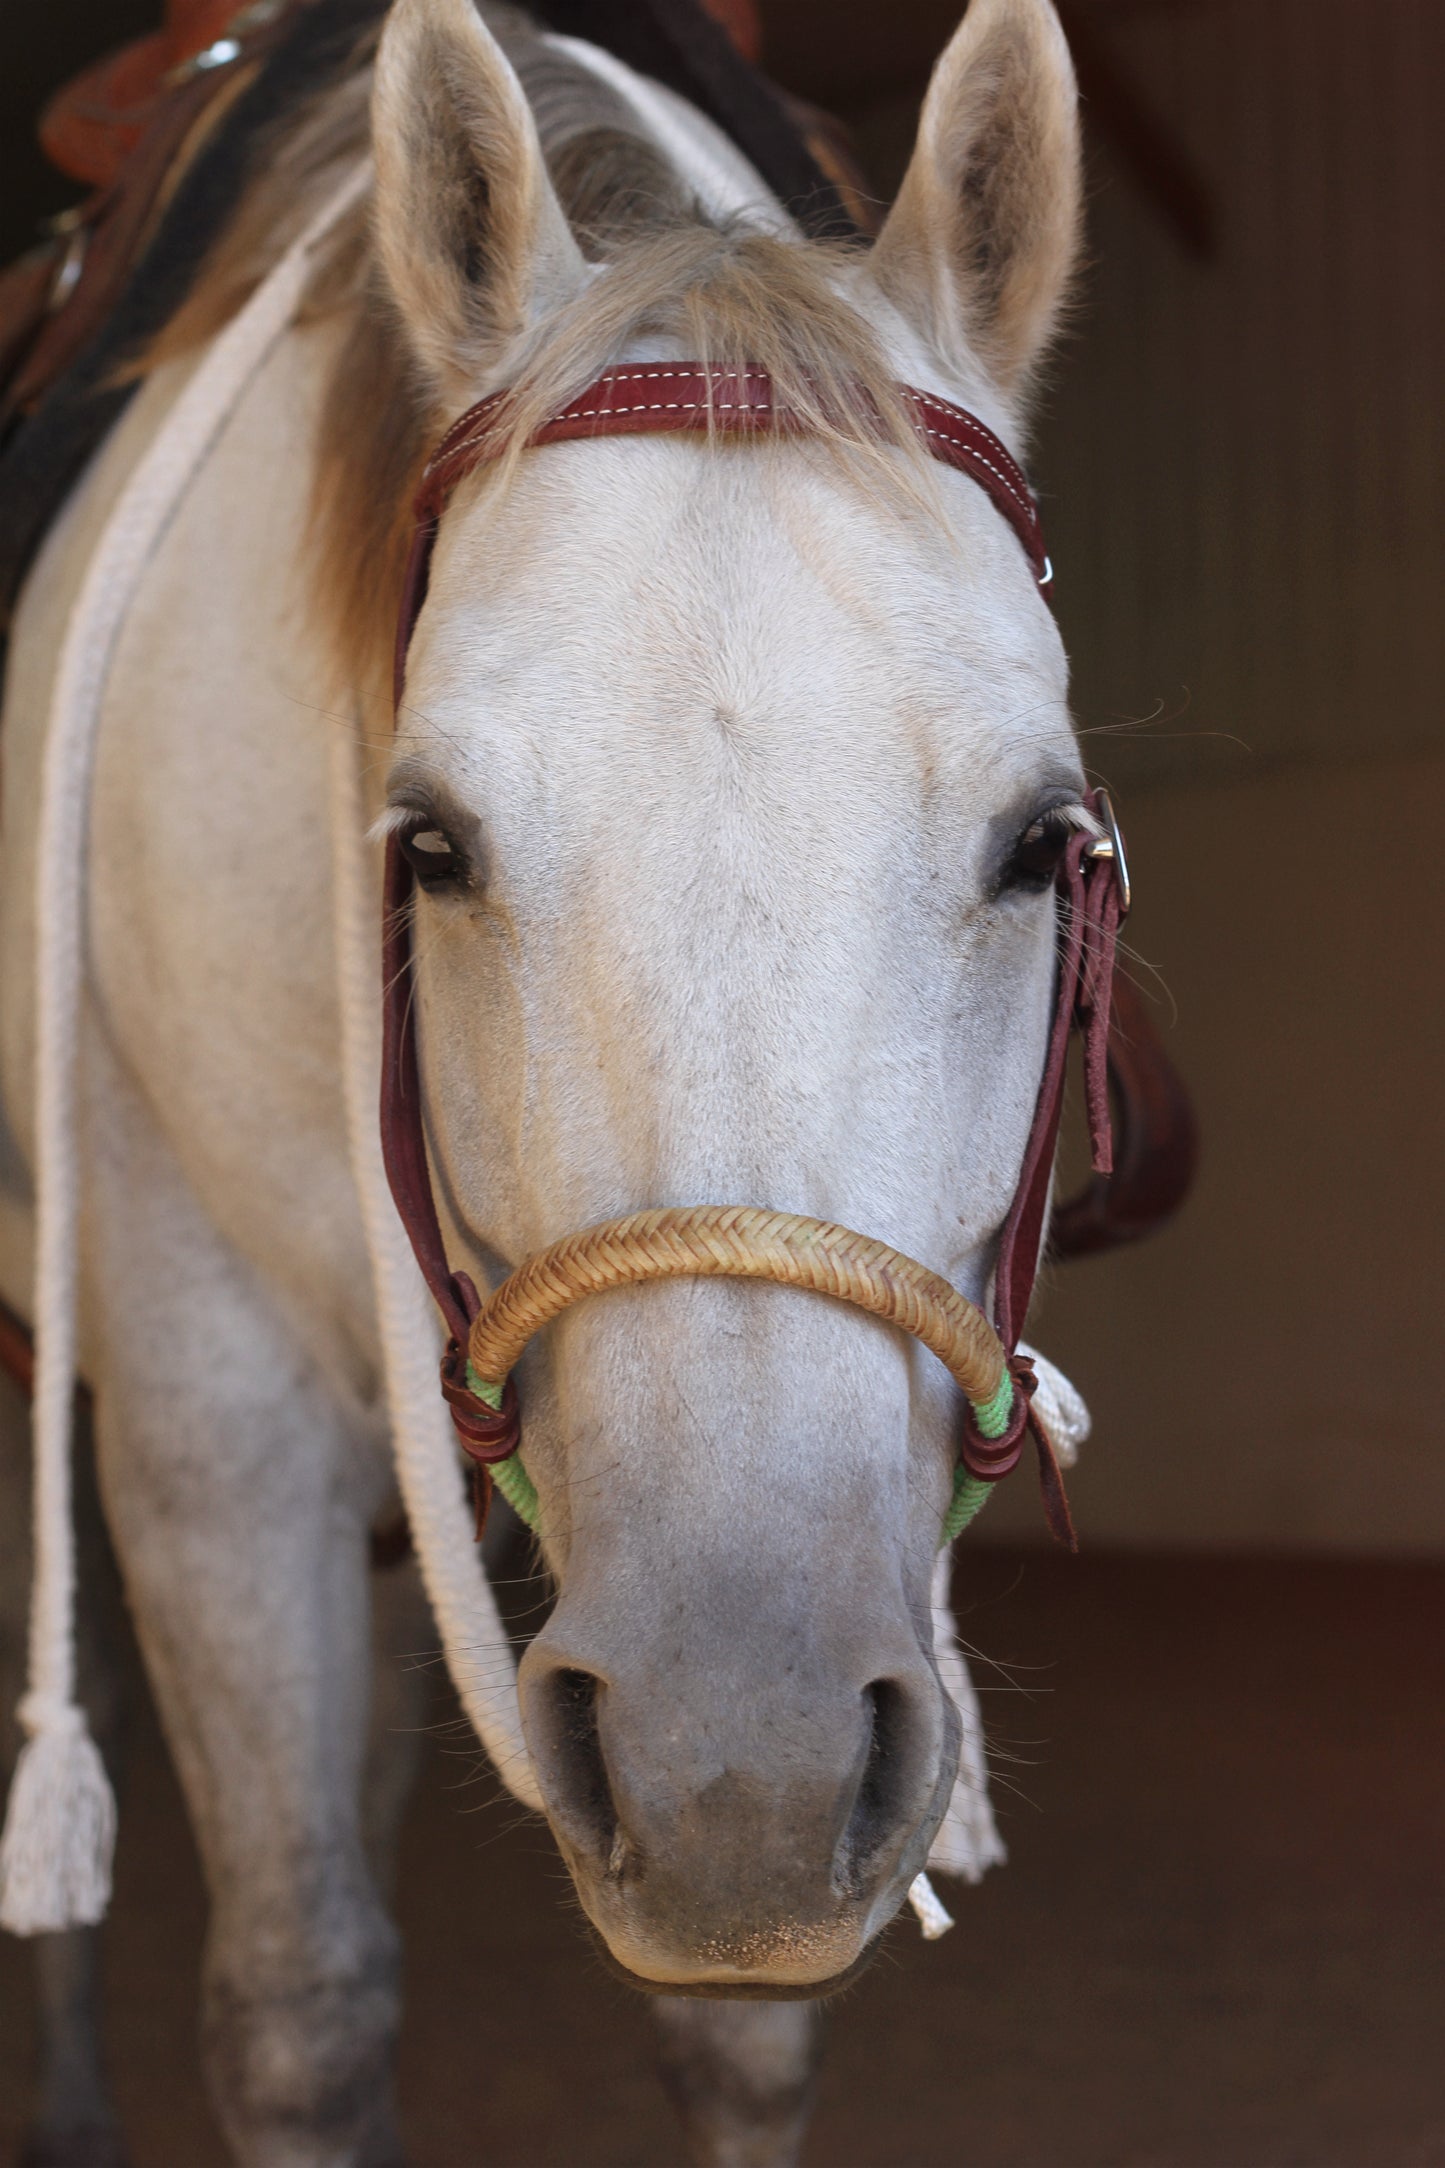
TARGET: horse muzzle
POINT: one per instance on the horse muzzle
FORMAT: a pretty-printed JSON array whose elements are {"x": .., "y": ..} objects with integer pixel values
[{"x": 737, "y": 1816}]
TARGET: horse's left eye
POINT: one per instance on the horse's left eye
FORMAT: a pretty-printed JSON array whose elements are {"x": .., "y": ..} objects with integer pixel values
[
  {"x": 432, "y": 856},
  {"x": 1038, "y": 853}
]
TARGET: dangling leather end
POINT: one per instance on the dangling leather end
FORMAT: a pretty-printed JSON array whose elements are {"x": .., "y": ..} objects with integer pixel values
[
  {"x": 1051, "y": 1485},
  {"x": 1102, "y": 910},
  {"x": 1094, "y": 1011},
  {"x": 1096, "y": 1093},
  {"x": 481, "y": 1496}
]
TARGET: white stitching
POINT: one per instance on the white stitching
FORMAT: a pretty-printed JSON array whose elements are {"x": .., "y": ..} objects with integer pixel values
[
  {"x": 652, "y": 376},
  {"x": 446, "y": 453},
  {"x": 966, "y": 445},
  {"x": 964, "y": 441},
  {"x": 655, "y": 406}
]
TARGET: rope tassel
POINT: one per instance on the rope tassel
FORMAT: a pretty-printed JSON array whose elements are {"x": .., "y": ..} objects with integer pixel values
[
  {"x": 930, "y": 1911},
  {"x": 59, "y": 1836}
]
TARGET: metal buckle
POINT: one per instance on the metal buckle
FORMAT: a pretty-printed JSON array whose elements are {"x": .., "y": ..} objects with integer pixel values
[
  {"x": 219, "y": 54},
  {"x": 73, "y": 228},
  {"x": 1111, "y": 845}
]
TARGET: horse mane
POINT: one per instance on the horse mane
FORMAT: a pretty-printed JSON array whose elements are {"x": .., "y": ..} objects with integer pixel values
[{"x": 724, "y": 293}]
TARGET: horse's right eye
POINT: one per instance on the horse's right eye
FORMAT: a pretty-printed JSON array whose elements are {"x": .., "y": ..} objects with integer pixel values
[
  {"x": 1038, "y": 853},
  {"x": 432, "y": 856}
]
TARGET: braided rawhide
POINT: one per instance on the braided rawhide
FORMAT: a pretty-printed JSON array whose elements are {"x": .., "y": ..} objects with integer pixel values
[
  {"x": 747, "y": 1243},
  {"x": 740, "y": 1242}
]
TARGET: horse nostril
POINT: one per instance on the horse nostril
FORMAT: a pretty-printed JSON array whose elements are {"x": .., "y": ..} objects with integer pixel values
[
  {"x": 885, "y": 1787},
  {"x": 563, "y": 1709}
]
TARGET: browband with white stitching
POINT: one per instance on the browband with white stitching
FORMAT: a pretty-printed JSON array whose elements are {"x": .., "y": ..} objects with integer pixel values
[{"x": 727, "y": 401}]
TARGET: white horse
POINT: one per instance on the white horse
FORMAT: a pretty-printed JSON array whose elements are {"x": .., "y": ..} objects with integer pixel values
[{"x": 739, "y": 771}]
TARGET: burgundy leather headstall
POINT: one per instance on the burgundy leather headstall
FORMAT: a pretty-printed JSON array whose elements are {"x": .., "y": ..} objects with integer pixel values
[{"x": 1121, "y": 1048}]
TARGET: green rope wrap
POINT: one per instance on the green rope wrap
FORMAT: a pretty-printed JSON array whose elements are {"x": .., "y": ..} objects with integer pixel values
[
  {"x": 509, "y": 1475},
  {"x": 992, "y": 1416},
  {"x": 517, "y": 1487},
  {"x": 970, "y": 1492},
  {"x": 485, "y": 1390},
  {"x": 970, "y": 1496}
]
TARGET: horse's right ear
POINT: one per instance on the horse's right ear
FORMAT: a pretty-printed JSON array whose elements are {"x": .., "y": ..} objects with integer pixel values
[
  {"x": 977, "y": 251},
  {"x": 473, "y": 240}
]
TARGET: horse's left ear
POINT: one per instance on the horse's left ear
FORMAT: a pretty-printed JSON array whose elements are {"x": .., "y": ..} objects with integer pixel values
[
  {"x": 475, "y": 245},
  {"x": 978, "y": 250}
]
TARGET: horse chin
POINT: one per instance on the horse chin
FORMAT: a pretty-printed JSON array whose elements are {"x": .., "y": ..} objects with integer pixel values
[
  {"x": 739, "y": 1986},
  {"x": 787, "y": 1959}
]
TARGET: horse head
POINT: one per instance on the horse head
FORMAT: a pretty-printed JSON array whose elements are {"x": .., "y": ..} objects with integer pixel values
[{"x": 734, "y": 777}]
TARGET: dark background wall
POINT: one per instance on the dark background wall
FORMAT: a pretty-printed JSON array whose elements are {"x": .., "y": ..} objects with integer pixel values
[
  {"x": 1241, "y": 465},
  {"x": 39, "y": 48}
]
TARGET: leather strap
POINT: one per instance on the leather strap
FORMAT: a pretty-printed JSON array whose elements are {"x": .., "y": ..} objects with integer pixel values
[
  {"x": 486, "y": 1434},
  {"x": 403, "y": 1119},
  {"x": 1088, "y": 924},
  {"x": 658, "y": 398},
  {"x": 1089, "y": 895},
  {"x": 1156, "y": 1141}
]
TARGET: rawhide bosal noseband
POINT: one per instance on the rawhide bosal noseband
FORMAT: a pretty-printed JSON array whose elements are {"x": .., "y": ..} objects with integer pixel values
[{"x": 485, "y": 1340}]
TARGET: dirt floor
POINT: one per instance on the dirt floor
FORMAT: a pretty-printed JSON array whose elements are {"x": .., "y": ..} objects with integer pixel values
[{"x": 1218, "y": 1943}]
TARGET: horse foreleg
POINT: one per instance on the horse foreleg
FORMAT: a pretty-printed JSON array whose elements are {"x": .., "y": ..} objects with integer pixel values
[
  {"x": 740, "y": 2075},
  {"x": 240, "y": 1499},
  {"x": 75, "y": 2123}
]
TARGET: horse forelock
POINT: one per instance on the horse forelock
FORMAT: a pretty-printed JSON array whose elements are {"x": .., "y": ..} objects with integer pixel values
[{"x": 722, "y": 291}]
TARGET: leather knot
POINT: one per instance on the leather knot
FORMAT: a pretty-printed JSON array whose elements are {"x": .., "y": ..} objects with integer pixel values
[
  {"x": 487, "y": 1435},
  {"x": 1021, "y": 1370},
  {"x": 992, "y": 1458}
]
